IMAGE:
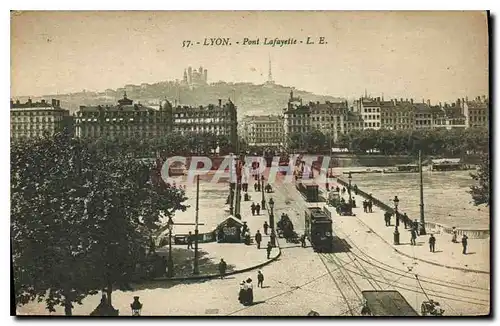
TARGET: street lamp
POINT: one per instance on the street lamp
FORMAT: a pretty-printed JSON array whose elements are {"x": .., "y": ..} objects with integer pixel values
[
  {"x": 263, "y": 206},
  {"x": 136, "y": 307},
  {"x": 396, "y": 232},
  {"x": 271, "y": 215},
  {"x": 170, "y": 262}
]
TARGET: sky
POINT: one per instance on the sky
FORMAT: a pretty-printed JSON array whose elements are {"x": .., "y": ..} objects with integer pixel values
[{"x": 432, "y": 55}]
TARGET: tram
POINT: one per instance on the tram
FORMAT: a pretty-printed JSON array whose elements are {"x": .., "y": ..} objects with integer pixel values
[
  {"x": 386, "y": 303},
  {"x": 318, "y": 229}
]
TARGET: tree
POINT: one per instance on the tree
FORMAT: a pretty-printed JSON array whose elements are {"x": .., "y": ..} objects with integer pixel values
[
  {"x": 81, "y": 218},
  {"x": 481, "y": 191},
  {"x": 50, "y": 240}
]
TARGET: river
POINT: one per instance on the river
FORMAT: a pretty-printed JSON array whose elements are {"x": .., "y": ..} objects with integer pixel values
[{"x": 446, "y": 199}]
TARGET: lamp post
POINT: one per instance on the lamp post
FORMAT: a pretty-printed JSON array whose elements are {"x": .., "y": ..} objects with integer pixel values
[
  {"x": 263, "y": 203},
  {"x": 271, "y": 215},
  {"x": 136, "y": 307},
  {"x": 349, "y": 190},
  {"x": 396, "y": 232},
  {"x": 170, "y": 262}
]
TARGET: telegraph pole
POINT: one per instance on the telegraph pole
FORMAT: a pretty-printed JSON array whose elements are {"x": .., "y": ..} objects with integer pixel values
[
  {"x": 195, "y": 265},
  {"x": 422, "y": 218}
]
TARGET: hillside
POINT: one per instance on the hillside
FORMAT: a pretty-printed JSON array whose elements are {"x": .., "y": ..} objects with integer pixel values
[{"x": 249, "y": 98}]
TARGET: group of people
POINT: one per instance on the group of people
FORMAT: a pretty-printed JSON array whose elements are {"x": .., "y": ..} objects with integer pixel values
[
  {"x": 432, "y": 241},
  {"x": 255, "y": 209},
  {"x": 245, "y": 295},
  {"x": 368, "y": 206}
]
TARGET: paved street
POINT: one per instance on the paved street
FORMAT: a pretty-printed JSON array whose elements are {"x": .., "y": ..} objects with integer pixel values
[{"x": 301, "y": 280}]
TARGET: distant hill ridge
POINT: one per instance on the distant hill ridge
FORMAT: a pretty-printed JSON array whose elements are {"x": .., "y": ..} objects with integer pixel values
[{"x": 249, "y": 98}]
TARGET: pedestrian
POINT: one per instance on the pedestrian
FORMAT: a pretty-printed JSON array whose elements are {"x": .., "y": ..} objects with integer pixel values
[
  {"x": 387, "y": 217},
  {"x": 464, "y": 244},
  {"x": 255, "y": 186},
  {"x": 222, "y": 268},
  {"x": 432, "y": 243},
  {"x": 413, "y": 237},
  {"x": 249, "y": 289},
  {"x": 257, "y": 208},
  {"x": 253, "y": 207},
  {"x": 265, "y": 226},
  {"x": 415, "y": 225},
  {"x": 405, "y": 220},
  {"x": 269, "y": 248},
  {"x": 260, "y": 279},
  {"x": 356, "y": 190},
  {"x": 343, "y": 191},
  {"x": 241, "y": 295},
  {"x": 258, "y": 238},
  {"x": 190, "y": 240},
  {"x": 455, "y": 234},
  {"x": 365, "y": 206},
  {"x": 303, "y": 241},
  {"x": 370, "y": 205}
]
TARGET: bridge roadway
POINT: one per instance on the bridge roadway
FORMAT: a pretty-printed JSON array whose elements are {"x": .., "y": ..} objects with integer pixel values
[{"x": 301, "y": 280}]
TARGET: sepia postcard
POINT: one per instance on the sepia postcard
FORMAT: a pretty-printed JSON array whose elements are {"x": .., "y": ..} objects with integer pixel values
[{"x": 250, "y": 163}]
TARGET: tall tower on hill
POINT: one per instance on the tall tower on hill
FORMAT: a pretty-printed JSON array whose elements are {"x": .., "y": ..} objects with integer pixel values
[{"x": 270, "y": 73}]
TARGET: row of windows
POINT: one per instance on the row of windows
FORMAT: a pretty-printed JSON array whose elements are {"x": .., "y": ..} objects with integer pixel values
[
  {"x": 370, "y": 110},
  {"x": 33, "y": 113},
  {"x": 372, "y": 124},
  {"x": 35, "y": 119},
  {"x": 396, "y": 114},
  {"x": 372, "y": 117},
  {"x": 31, "y": 127}
]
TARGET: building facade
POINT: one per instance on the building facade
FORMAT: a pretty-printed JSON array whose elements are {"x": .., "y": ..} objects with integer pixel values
[
  {"x": 264, "y": 130},
  {"x": 477, "y": 112},
  {"x": 33, "y": 119},
  {"x": 218, "y": 119},
  {"x": 123, "y": 120}
]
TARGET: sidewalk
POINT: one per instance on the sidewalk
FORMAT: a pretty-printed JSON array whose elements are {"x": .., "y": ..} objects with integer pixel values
[{"x": 447, "y": 254}]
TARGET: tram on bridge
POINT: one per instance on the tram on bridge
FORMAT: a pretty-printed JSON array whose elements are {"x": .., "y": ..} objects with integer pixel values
[{"x": 319, "y": 229}]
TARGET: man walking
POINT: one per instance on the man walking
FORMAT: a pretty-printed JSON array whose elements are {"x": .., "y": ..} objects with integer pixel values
[
  {"x": 265, "y": 226},
  {"x": 464, "y": 244},
  {"x": 413, "y": 237},
  {"x": 432, "y": 243},
  {"x": 455, "y": 234},
  {"x": 257, "y": 208},
  {"x": 222, "y": 268},
  {"x": 269, "y": 248},
  {"x": 253, "y": 207},
  {"x": 405, "y": 220},
  {"x": 258, "y": 238},
  {"x": 370, "y": 205},
  {"x": 190, "y": 240},
  {"x": 260, "y": 279}
]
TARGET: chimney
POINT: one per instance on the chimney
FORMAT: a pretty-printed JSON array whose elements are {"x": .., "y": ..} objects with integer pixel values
[
  {"x": 43, "y": 101},
  {"x": 58, "y": 103},
  {"x": 395, "y": 101},
  {"x": 54, "y": 102},
  {"x": 440, "y": 105},
  {"x": 401, "y": 99},
  {"x": 220, "y": 103},
  {"x": 423, "y": 100},
  {"x": 411, "y": 101},
  {"x": 29, "y": 101},
  {"x": 428, "y": 102}
]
